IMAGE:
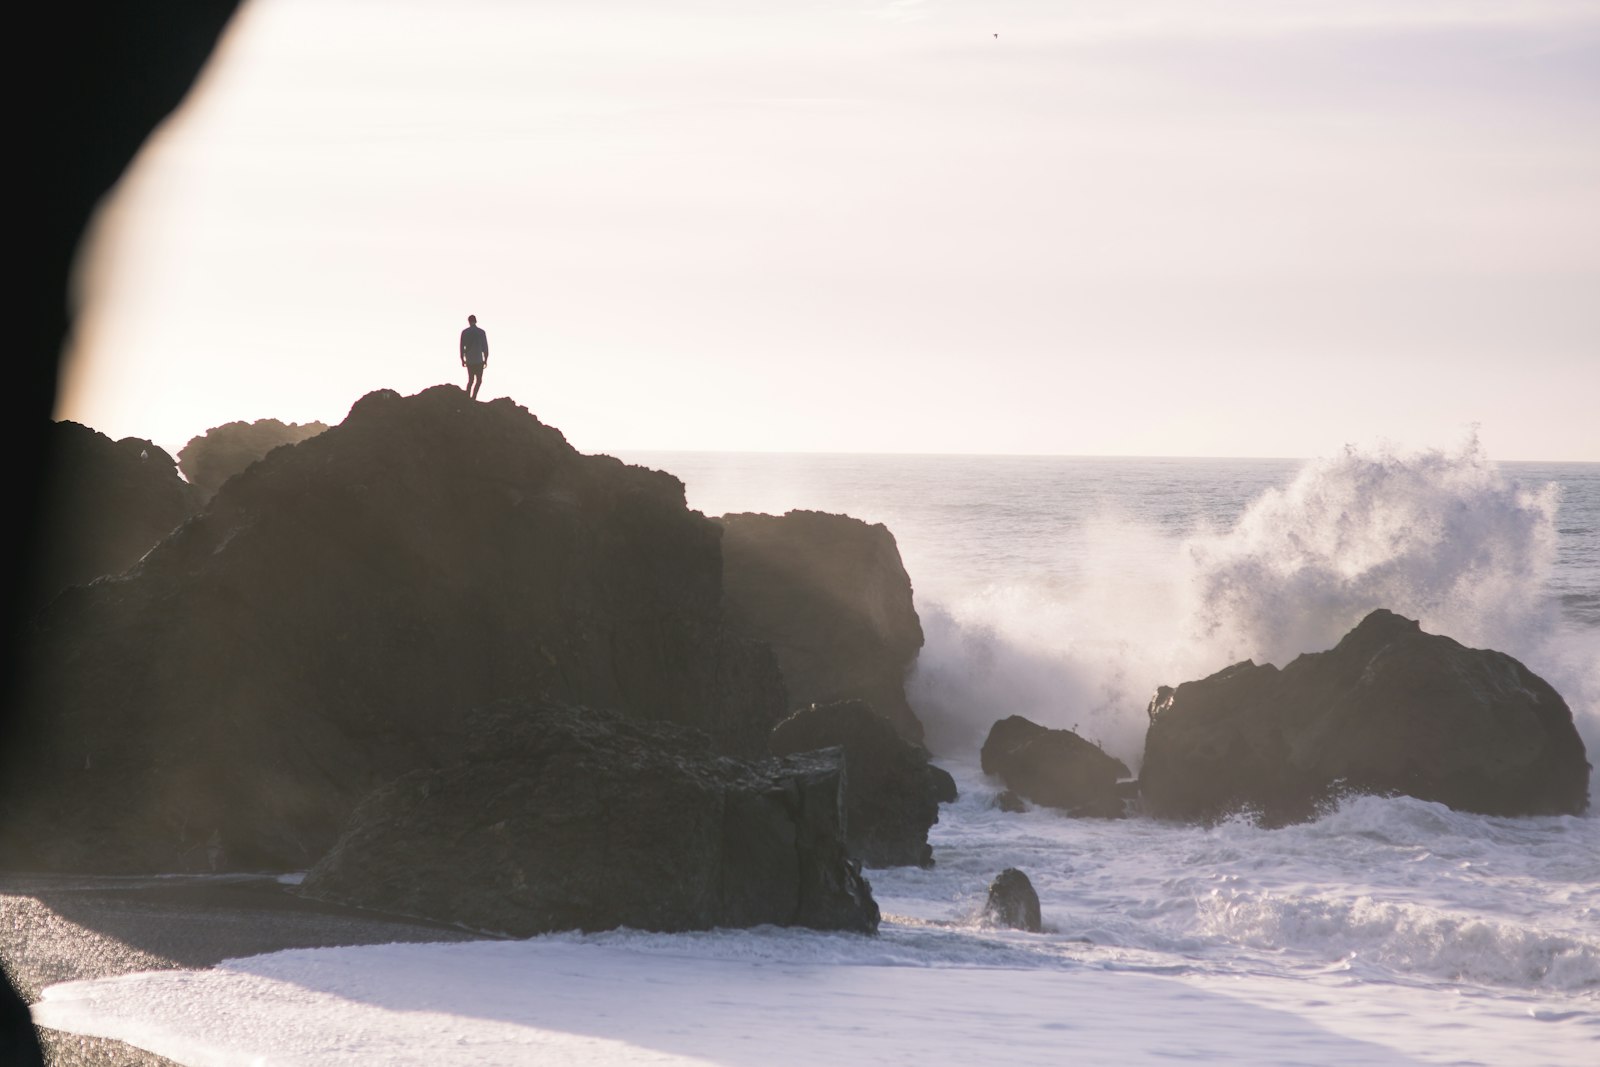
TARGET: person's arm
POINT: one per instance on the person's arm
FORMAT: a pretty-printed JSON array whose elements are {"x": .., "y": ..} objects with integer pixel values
[
  {"x": 463, "y": 348},
  {"x": 486, "y": 348}
]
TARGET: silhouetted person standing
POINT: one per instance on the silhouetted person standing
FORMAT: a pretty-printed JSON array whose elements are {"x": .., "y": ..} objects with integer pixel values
[{"x": 474, "y": 354}]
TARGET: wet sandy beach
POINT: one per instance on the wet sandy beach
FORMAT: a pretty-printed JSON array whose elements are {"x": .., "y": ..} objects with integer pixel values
[{"x": 61, "y": 928}]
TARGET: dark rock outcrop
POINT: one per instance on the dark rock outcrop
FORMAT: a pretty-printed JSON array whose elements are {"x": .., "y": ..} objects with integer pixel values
[
  {"x": 1008, "y": 801},
  {"x": 831, "y": 596},
  {"x": 943, "y": 785},
  {"x": 1389, "y": 710},
  {"x": 565, "y": 818},
  {"x": 223, "y": 451},
  {"x": 107, "y": 504},
  {"x": 324, "y": 624},
  {"x": 1056, "y": 768},
  {"x": 1013, "y": 902},
  {"x": 892, "y": 792}
]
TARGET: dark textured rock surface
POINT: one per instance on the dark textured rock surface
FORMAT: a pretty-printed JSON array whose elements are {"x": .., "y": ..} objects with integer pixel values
[
  {"x": 1056, "y": 768},
  {"x": 1389, "y": 710},
  {"x": 892, "y": 793},
  {"x": 563, "y": 818},
  {"x": 223, "y": 451},
  {"x": 831, "y": 596},
  {"x": 943, "y": 785},
  {"x": 323, "y": 625},
  {"x": 1008, "y": 801},
  {"x": 107, "y": 504},
  {"x": 1013, "y": 902}
]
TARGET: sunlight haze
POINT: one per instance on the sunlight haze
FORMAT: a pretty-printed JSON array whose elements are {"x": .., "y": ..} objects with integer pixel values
[{"x": 1133, "y": 228}]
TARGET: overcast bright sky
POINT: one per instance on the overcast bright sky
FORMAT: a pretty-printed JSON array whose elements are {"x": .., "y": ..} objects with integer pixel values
[{"x": 1242, "y": 228}]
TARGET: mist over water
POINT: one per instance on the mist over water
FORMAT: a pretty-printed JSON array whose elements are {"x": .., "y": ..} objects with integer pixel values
[{"x": 1066, "y": 589}]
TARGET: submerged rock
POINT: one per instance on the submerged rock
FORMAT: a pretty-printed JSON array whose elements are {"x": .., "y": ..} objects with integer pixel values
[
  {"x": 892, "y": 792},
  {"x": 1389, "y": 710},
  {"x": 566, "y": 818},
  {"x": 107, "y": 503},
  {"x": 831, "y": 596},
  {"x": 324, "y": 624},
  {"x": 223, "y": 451},
  {"x": 1056, "y": 768},
  {"x": 1013, "y": 902}
]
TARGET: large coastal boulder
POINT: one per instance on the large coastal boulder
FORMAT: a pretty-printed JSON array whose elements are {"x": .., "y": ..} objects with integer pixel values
[
  {"x": 1056, "y": 768},
  {"x": 566, "y": 818},
  {"x": 831, "y": 596},
  {"x": 1389, "y": 710},
  {"x": 223, "y": 451},
  {"x": 107, "y": 503},
  {"x": 338, "y": 606},
  {"x": 892, "y": 792}
]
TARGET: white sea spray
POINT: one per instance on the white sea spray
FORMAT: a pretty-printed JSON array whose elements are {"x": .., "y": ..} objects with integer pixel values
[
  {"x": 1132, "y": 601},
  {"x": 1446, "y": 538}
]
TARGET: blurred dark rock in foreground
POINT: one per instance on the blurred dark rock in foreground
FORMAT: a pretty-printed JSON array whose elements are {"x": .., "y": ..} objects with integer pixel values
[
  {"x": 1389, "y": 710},
  {"x": 892, "y": 792},
  {"x": 1056, "y": 768},
  {"x": 831, "y": 596},
  {"x": 1013, "y": 902},
  {"x": 566, "y": 818},
  {"x": 106, "y": 505},
  {"x": 115, "y": 72},
  {"x": 325, "y": 623},
  {"x": 223, "y": 451}
]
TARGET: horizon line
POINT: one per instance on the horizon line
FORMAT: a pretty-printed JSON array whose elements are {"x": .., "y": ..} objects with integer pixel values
[{"x": 1011, "y": 455}]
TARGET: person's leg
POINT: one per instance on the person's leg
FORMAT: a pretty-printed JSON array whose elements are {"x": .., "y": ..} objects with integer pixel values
[{"x": 474, "y": 379}]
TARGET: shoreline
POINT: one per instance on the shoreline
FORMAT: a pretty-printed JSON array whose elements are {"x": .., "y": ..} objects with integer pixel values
[{"x": 64, "y": 928}]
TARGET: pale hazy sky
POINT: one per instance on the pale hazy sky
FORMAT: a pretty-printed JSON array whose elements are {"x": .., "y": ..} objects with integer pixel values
[{"x": 1249, "y": 227}]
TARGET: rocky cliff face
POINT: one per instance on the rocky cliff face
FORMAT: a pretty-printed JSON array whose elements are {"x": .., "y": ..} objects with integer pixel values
[
  {"x": 893, "y": 793},
  {"x": 107, "y": 504},
  {"x": 326, "y": 622},
  {"x": 565, "y": 818},
  {"x": 1389, "y": 710},
  {"x": 223, "y": 451},
  {"x": 831, "y": 596}
]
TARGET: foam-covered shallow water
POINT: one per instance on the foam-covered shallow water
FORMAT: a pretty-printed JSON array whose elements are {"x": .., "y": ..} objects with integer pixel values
[
  {"x": 1381, "y": 890},
  {"x": 1388, "y": 931}
]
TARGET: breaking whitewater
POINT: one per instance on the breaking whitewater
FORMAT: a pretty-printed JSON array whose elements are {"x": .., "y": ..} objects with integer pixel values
[{"x": 1390, "y": 931}]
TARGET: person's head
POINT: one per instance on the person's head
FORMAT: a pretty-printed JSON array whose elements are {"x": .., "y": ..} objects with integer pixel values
[{"x": 472, "y": 320}]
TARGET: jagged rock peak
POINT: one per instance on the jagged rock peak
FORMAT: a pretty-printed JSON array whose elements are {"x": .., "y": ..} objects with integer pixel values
[
  {"x": 213, "y": 457},
  {"x": 325, "y": 622}
]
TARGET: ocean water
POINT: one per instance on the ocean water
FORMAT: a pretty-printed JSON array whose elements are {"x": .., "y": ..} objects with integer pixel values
[
  {"x": 1390, "y": 931},
  {"x": 1066, "y": 589}
]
